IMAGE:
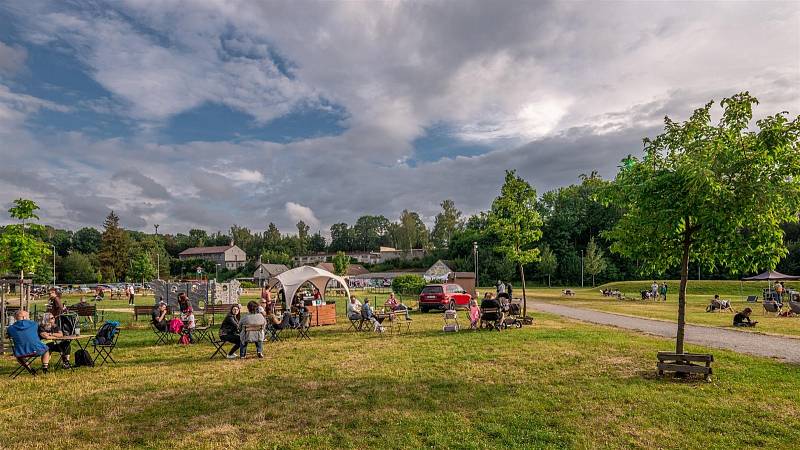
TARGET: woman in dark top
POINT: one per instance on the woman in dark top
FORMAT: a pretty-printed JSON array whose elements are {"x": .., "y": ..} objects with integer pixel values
[
  {"x": 183, "y": 302},
  {"x": 743, "y": 319},
  {"x": 159, "y": 316},
  {"x": 229, "y": 330}
]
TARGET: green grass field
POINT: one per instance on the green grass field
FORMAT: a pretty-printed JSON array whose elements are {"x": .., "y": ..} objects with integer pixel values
[
  {"x": 557, "y": 384},
  {"x": 698, "y": 297}
]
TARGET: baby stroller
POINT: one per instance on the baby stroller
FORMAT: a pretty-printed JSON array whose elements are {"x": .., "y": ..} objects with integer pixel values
[
  {"x": 450, "y": 321},
  {"x": 513, "y": 317}
]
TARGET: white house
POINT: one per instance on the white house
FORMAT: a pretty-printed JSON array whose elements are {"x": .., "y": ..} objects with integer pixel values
[{"x": 227, "y": 256}]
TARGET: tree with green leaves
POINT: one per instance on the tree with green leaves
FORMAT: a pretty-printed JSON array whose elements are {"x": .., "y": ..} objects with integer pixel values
[
  {"x": 20, "y": 250},
  {"x": 446, "y": 223},
  {"x": 713, "y": 193},
  {"x": 78, "y": 268},
  {"x": 341, "y": 262},
  {"x": 547, "y": 262},
  {"x": 302, "y": 237},
  {"x": 86, "y": 240},
  {"x": 141, "y": 269},
  {"x": 595, "y": 262},
  {"x": 515, "y": 220},
  {"x": 113, "y": 249},
  {"x": 317, "y": 242},
  {"x": 410, "y": 232}
]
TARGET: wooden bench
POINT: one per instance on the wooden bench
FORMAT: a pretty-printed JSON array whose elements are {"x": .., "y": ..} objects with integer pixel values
[
  {"x": 87, "y": 314},
  {"x": 684, "y": 363},
  {"x": 144, "y": 310},
  {"x": 211, "y": 310}
]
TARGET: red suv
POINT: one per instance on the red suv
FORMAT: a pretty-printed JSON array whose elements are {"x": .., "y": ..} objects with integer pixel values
[{"x": 443, "y": 296}]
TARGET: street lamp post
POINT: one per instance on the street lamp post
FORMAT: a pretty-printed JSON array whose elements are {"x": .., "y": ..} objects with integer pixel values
[
  {"x": 475, "y": 256},
  {"x": 54, "y": 266},
  {"x": 216, "y": 274}
]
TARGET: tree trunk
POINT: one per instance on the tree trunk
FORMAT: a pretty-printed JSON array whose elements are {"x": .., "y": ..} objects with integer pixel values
[
  {"x": 524, "y": 298},
  {"x": 682, "y": 290},
  {"x": 592, "y": 280},
  {"x": 548, "y": 281}
]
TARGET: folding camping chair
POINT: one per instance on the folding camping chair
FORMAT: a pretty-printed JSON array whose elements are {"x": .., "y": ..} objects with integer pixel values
[
  {"x": 103, "y": 350},
  {"x": 305, "y": 325},
  {"x": 23, "y": 363},
  {"x": 274, "y": 332},
  {"x": 164, "y": 337},
  {"x": 752, "y": 298},
  {"x": 218, "y": 344}
]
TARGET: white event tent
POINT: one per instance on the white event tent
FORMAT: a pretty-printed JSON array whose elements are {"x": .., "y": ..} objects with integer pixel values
[{"x": 292, "y": 279}]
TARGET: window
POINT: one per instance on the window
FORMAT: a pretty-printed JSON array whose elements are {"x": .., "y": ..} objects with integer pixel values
[{"x": 432, "y": 290}]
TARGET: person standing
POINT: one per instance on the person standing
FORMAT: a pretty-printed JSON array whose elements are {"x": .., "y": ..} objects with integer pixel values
[
  {"x": 54, "y": 304},
  {"x": 501, "y": 287},
  {"x": 664, "y": 290},
  {"x": 654, "y": 290},
  {"x": 131, "y": 295}
]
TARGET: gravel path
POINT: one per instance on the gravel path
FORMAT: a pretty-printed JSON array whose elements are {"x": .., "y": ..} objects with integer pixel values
[{"x": 784, "y": 348}]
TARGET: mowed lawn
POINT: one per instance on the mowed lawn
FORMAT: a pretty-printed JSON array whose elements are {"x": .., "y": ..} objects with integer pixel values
[
  {"x": 697, "y": 301},
  {"x": 558, "y": 384}
]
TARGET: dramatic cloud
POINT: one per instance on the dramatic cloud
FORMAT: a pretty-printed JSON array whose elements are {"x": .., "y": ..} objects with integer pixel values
[
  {"x": 325, "y": 111},
  {"x": 299, "y": 212}
]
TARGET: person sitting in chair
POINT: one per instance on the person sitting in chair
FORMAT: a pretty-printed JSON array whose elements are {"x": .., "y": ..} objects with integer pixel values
[
  {"x": 25, "y": 334},
  {"x": 395, "y": 305},
  {"x": 48, "y": 329},
  {"x": 252, "y": 318},
  {"x": 368, "y": 314},
  {"x": 354, "y": 309},
  {"x": 159, "y": 316},
  {"x": 229, "y": 330},
  {"x": 714, "y": 304},
  {"x": 742, "y": 319}
]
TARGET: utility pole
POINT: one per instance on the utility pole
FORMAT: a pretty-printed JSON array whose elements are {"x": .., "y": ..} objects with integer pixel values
[
  {"x": 158, "y": 256},
  {"x": 581, "y": 268},
  {"x": 54, "y": 266}
]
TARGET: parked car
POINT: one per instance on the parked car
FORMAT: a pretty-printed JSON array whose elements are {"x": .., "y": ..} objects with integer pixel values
[{"x": 443, "y": 296}]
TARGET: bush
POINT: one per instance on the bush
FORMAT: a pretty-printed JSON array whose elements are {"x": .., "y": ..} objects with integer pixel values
[
  {"x": 408, "y": 284},
  {"x": 248, "y": 285}
]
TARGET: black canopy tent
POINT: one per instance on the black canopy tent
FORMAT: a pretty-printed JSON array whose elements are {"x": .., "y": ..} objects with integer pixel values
[{"x": 770, "y": 276}]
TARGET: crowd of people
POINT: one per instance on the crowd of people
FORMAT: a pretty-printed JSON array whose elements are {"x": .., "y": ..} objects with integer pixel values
[{"x": 235, "y": 327}]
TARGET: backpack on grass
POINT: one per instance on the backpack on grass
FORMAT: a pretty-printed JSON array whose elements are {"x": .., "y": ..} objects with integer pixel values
[{"x": 82, "y": 359}]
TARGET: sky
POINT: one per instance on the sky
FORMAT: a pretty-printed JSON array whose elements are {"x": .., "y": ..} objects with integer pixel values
[{"x": 204, "y": 114}]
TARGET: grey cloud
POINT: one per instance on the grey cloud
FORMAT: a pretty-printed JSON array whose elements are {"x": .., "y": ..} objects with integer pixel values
[
  {"x": 12, "y": 59},
  {"x": 150, "y": 188}
]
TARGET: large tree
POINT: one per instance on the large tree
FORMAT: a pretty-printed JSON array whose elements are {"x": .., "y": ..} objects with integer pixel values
[
  {"x": 78, "y": 268},
  {"x": 341, "y": 262},
  {"x": 446, "y": 223},
  {"x": 86, "y": 240},
  {"x": 712, "y": 193},
  {"x": 113, "y": 249},
  {"x": 302, "y": 237},
  {"x": 516, "y": 221}
]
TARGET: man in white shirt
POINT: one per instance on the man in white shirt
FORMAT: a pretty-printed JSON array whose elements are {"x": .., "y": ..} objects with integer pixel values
[{"x": 354, "y": 308}]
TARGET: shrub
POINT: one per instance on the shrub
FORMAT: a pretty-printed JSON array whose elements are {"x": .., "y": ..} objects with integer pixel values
[{"x": 408, "y": 284}]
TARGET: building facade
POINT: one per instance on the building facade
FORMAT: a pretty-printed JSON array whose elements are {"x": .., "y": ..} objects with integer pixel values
[{"x": 230, "y": 257}]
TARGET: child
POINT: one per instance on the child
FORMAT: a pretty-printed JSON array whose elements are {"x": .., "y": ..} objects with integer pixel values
[
  {"x": 187, "y": 317},
  {"x": 474, "y": 314}
]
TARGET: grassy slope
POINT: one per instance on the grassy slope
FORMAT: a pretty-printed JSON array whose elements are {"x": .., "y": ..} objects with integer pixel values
[{"x": 557, "y": 384}]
